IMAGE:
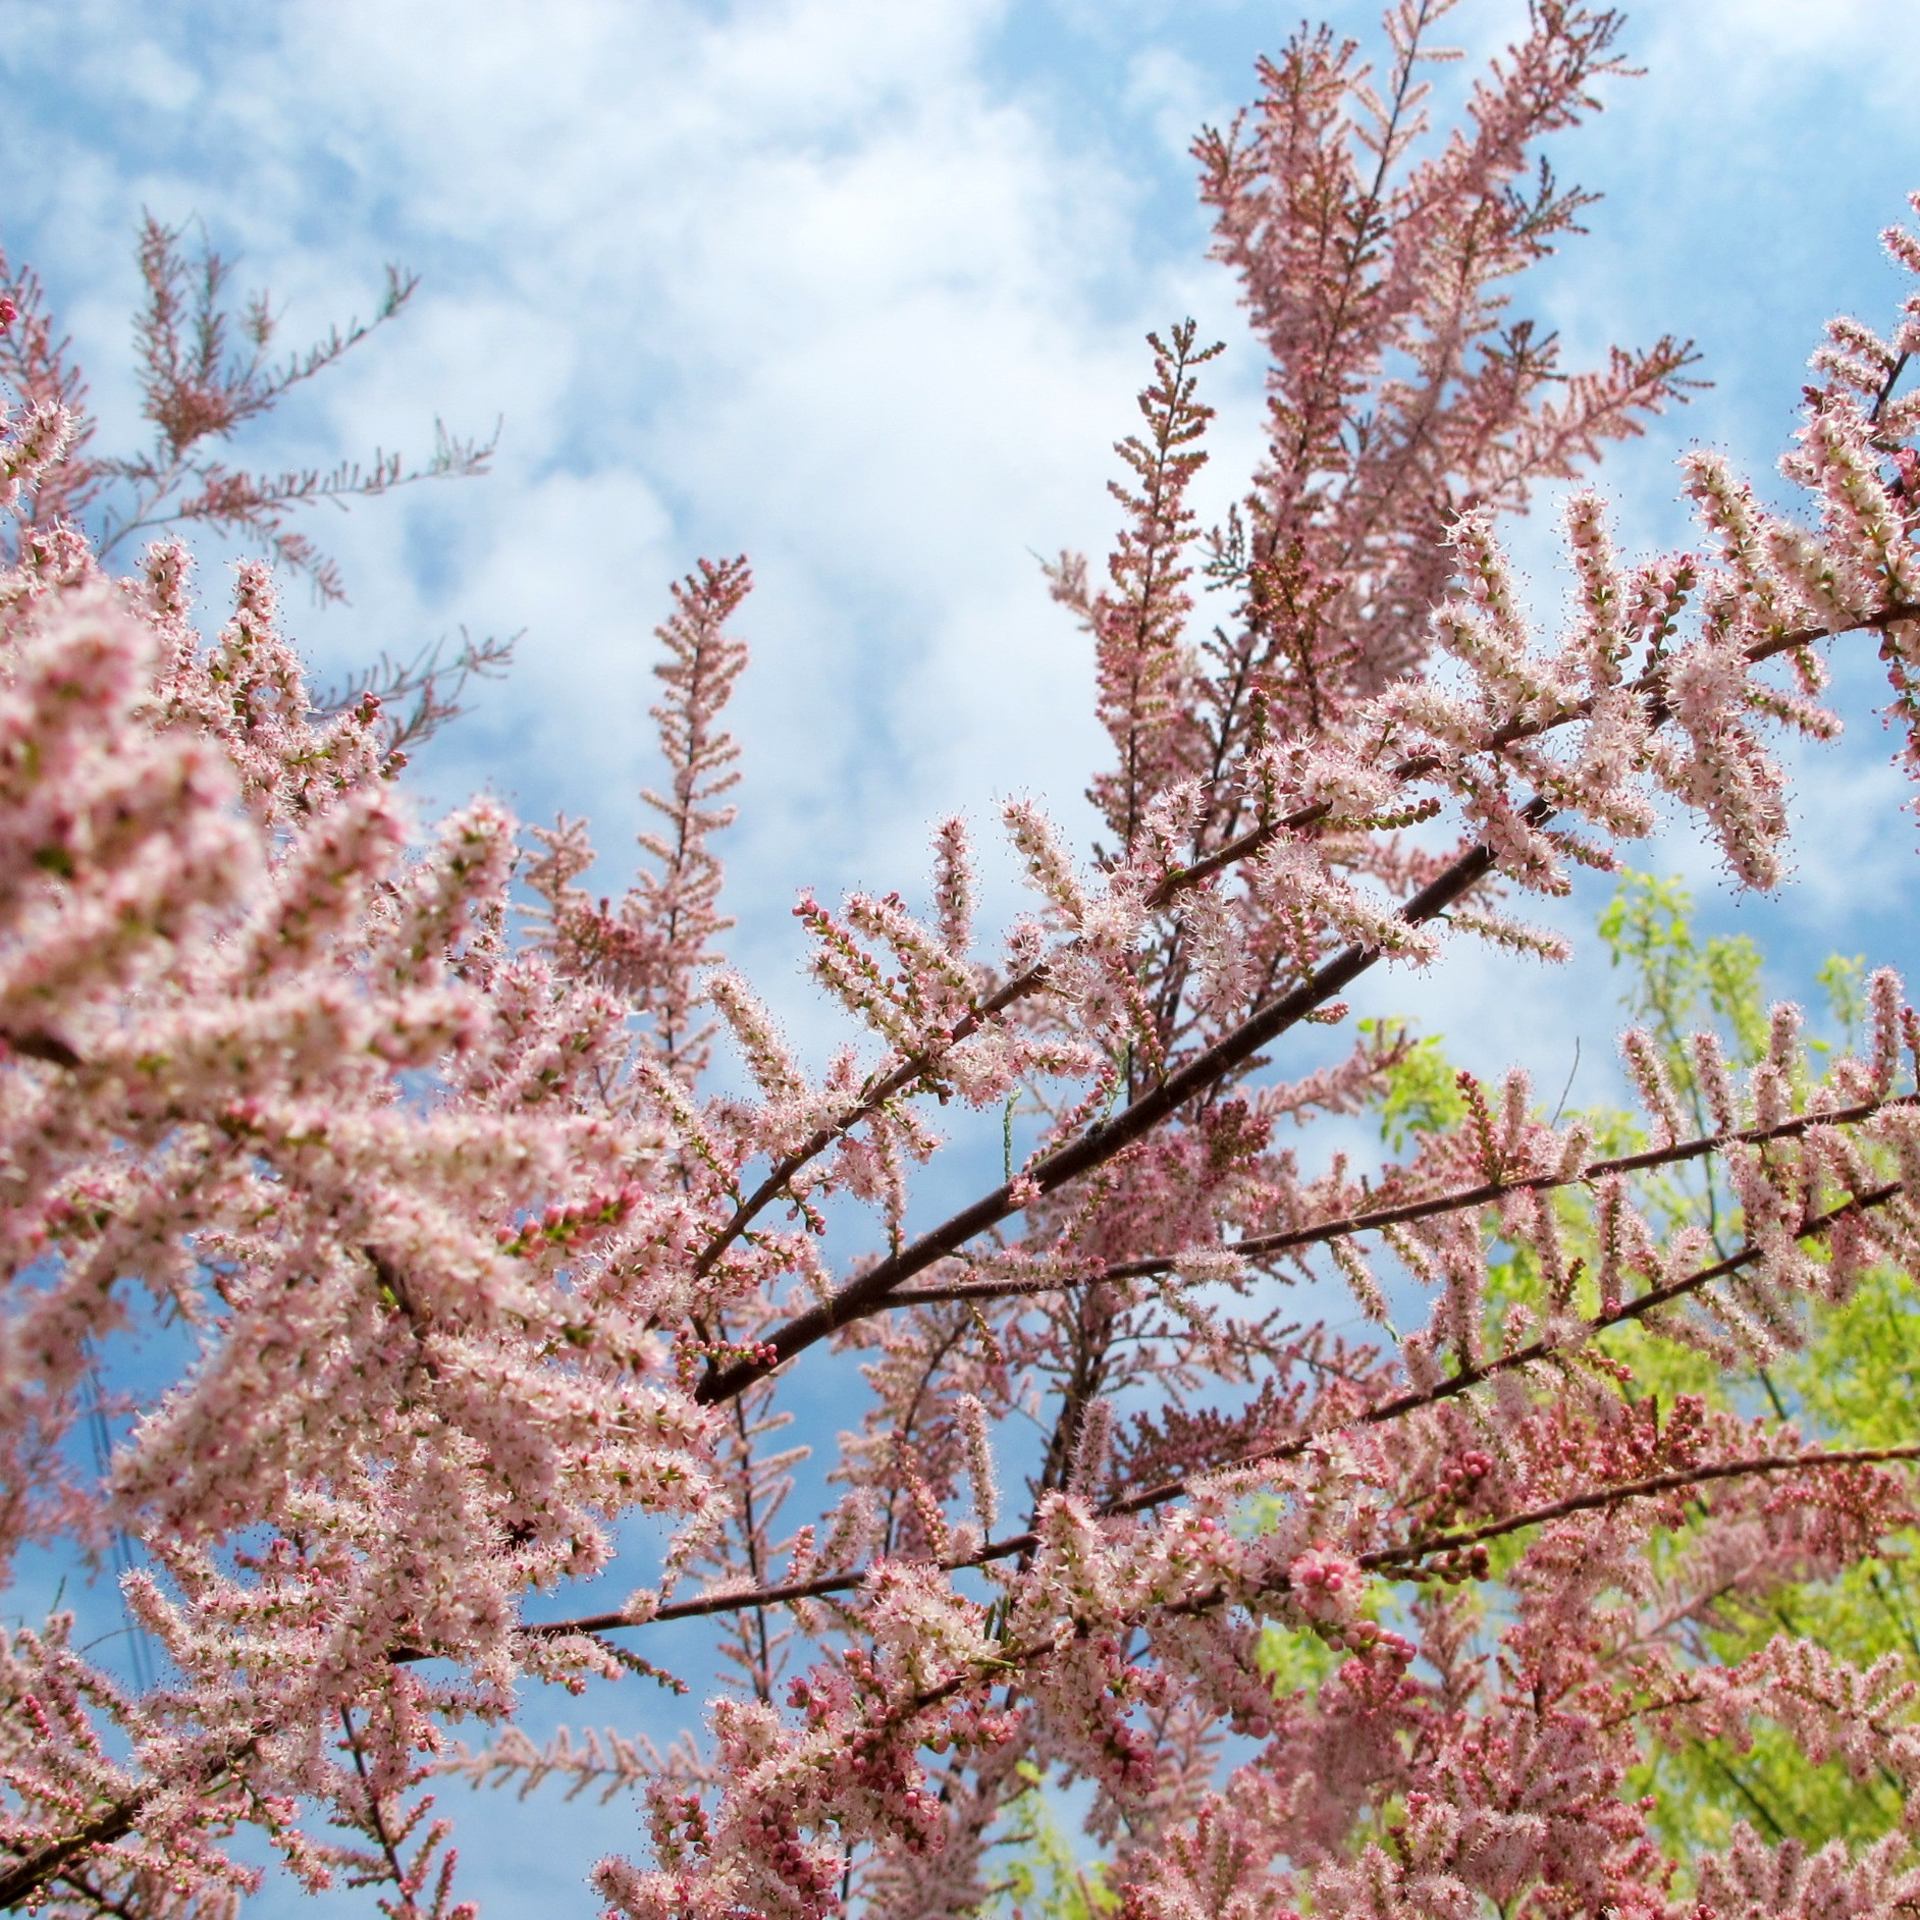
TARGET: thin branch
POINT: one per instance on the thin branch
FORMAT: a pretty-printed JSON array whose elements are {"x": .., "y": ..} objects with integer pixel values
[
  {"x": 1537, "y": 1352},
  {"x": 853, "y": 1300},
  {"x": 1285, "y": 1240},
  {"x": 1009, "y": 1656},
  {"x": 376, "y": 1821},
  {"x": 32, "y": 1872},
  {"x": 1386, "y": 1558},
  {"x": 28, "y": 1875},
  {"x": 1105, "y": 1139},
  {"x": 1650, "y": 685}
]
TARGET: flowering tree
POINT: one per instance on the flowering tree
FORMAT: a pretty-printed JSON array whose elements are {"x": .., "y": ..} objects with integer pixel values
[{"x": 480, "y": 1255}]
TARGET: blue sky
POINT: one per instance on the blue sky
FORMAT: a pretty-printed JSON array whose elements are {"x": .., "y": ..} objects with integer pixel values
[{"x": 859, "y": 288}]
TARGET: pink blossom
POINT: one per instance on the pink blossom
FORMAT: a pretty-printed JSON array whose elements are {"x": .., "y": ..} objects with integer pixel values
[{"x": 481, "y": 1272}]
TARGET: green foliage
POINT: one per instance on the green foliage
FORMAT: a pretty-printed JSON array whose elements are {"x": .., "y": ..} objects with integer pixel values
[
  {"x": 1421, "y": 1094},
  {"x": 1854, "y": 1382},
  {"x": 1855, "y": 1379},
  {"x": 1044, "y": 1880},
  {"x": 1675, "y": 979},
  {"x": 1842, "y": 979}
]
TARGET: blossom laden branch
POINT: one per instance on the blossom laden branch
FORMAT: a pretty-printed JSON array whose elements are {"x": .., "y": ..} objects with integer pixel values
[
  {"x": 1397, "y": 1407},
  {"x": 1579, "y": 1172},
  {"x": 1101, "y": 1143},
  {"x": 1604, "y": 1499}
]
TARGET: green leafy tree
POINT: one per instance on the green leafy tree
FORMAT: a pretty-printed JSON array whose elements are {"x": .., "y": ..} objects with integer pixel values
[
  {"x": 1855, "y": 1376},
  {"x": 1854, "y": 1380}
]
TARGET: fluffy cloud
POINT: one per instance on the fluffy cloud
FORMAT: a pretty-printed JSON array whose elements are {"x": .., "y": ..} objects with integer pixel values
[{"x": 857, "y": 288}]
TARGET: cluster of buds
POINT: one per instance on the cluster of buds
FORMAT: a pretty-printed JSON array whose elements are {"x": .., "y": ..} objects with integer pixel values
[{"x": 564, "y": 1228}]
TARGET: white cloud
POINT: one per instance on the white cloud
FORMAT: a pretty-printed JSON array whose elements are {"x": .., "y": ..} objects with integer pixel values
[{"x": 825, "y": 280}]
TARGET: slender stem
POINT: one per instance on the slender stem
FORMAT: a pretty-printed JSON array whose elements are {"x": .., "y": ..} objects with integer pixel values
[
  {"x": 1386, "y": 1560},
  {"x": 27, "y": 1875},
  {"x": 1104, "y": 1140},
  {"x": 1596, "y": 1498},
  {"x": 24, "y": 1877},
  {"x": 1650, "y": 686},
  {"x": 376, "y": 1820},
  {"x": 1256, "y": 1246},
  {"x": 1538, "y": 1352}
]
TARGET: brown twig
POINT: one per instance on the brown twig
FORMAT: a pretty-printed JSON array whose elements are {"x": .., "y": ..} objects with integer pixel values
[
  {"x": 1538, "y": 1352},
  {"x": 1100, "y": 1143},
  {"x": 1284, "y": 1240}
]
